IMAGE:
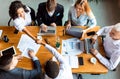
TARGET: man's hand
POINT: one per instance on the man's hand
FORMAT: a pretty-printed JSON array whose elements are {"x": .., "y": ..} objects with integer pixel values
[
  {"x": 39, "y": 41},
  {"x": 53, "y": 24},
  {"x": 31, "y": 53},
  {"x": 94, "y": 51},
  {"x": 44, "y": 28},
  {"x": 94, "y": 38},
  {"x": 18, "y": 57}
]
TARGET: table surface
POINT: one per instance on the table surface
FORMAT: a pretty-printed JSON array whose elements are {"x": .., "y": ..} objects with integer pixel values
[{"x": 43, "y": 54}]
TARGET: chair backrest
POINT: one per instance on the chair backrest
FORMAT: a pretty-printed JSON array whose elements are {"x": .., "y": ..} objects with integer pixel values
[
  {"x": 9, "y": 21},
  {"x": 33, "y": 17}
]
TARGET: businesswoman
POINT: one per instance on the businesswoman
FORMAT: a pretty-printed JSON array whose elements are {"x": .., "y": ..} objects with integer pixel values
[
  {"x": 81, "y": 15},
  {"x": 21, "y": 17}
]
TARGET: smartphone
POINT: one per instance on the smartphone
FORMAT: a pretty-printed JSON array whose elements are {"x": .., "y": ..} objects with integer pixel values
[
  {"x": 80, "y": 59},
  {"x": 91, "y": 33}
]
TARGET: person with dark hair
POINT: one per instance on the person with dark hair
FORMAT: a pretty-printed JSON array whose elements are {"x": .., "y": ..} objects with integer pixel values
[
  {"x": 52, "y": 69},
  {"x": 8, "y": 68},
  {"x": 81, "y": 15},
  {"x": 49, "y": 13},
  {"x": 21, "y": 17}
]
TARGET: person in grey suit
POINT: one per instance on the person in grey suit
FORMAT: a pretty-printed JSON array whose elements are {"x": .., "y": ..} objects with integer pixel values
[{"x": 8, "y": 68}]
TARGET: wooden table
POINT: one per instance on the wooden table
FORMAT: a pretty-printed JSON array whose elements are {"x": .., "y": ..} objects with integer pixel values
[{"x": 43, "y": 54}]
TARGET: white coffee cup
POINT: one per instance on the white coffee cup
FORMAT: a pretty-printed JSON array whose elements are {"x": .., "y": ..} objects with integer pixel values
[{"x": 93, "y": 60}]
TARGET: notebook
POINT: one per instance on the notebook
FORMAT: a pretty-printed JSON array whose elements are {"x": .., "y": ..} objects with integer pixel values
[
  {"x": 51, "y": 31},
  {"x": 8, "y": 51},
  {"x": 72, "y": 60}
]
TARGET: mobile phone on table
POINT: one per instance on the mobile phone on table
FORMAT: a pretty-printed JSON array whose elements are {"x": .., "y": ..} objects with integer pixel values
[
  {"x": 91, "y": 33},
  {"x": 80, "y": 59}
]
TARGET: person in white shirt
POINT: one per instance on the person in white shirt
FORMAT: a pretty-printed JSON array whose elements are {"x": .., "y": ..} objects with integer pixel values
[
  {"x": 111, "y": 46},
  {"x": 21, "y": 17},
  {"x": 52, "y": 70}
]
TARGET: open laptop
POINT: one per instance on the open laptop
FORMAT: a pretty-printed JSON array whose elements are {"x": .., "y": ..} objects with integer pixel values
[
  {"x": 74, "y": 31},
  {"x": 8, "y": 51},
  {"x": 51, "y": 31},
  {"x": 88, "y": 45}
]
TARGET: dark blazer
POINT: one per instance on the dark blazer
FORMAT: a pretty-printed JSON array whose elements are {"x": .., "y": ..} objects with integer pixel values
[
  {"x": 43, "y": 17},
  {"x": 19, "y": 73}
]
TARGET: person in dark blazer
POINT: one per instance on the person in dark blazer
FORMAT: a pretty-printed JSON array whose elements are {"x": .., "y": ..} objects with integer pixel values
[
  {"x": 49, "y": 13},
  {"x": 8, "y": 68}
]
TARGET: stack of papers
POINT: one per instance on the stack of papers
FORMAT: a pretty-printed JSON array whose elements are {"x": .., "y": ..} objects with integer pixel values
[
  {"x": 26, "y": 43},
  {"x": 72, "y": 46}
]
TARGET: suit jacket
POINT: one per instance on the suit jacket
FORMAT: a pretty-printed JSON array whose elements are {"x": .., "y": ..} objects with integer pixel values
[
  {"x": 43, "y": 16},
  {"x": 19, "y": 73}
]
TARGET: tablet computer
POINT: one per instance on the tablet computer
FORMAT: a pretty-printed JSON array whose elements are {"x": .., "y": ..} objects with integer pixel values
[{"x": 8, "y": 51}]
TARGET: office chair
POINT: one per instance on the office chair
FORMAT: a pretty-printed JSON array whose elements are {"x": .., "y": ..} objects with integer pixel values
[{"x": 33, "y": 17}]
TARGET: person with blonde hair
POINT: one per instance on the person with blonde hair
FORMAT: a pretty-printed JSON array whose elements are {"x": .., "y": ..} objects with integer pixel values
[
  {"x": 80, "y": 15},
  {"x": 111, "y": 43},
  {"x": 49, "y": 13}
]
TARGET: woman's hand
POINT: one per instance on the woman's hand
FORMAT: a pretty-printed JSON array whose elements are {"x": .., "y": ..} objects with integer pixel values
[{"x": 68, "y": 26}]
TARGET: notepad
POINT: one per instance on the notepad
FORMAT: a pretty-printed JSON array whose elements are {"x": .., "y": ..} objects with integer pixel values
[{"x": 72, "y": 61}]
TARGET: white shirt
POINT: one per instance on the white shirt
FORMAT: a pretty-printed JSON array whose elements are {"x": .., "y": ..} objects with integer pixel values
[
  {"x": 51, "y": 13},
  {"x": 112, "y": 49},
  {"x": 20, "y": 23},
  {"x": 64, "y": 68}
]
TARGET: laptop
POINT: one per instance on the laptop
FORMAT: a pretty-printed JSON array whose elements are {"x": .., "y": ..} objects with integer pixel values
[
  {"x": 74, "y": 31},
  {"x": 51, "y": 31},
  {"x": 88, "y": 45},
  {"x": 8, "y": 51}
]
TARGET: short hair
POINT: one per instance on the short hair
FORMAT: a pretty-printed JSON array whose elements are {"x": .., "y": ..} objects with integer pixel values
[
  {"x": 117, "y": 27},
  {"x": 14, "y": 6},
  {"x": 51, "y": 69},
  {"x": 51, "y": 5},
  {"x": 5, "y": 60}
]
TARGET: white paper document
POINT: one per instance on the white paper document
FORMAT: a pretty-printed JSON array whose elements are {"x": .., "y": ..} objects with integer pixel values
[
  {"x": 1, "y": 33},
  {"x": 72, "y": 60},
  {"x": 72, "y": 46},
  {"x": 26, "y": 43}
]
